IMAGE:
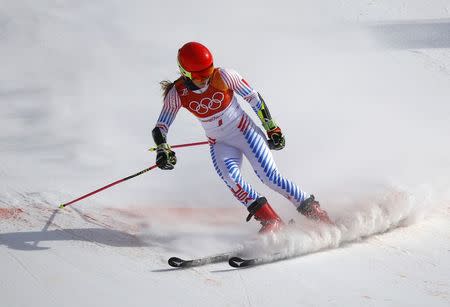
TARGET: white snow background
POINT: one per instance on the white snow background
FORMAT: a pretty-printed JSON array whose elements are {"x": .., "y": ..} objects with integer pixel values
[{"x": 361, "y": 90}]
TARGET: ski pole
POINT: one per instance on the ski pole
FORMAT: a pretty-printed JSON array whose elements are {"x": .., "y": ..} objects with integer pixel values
[
  {"x": 183, "y": 145},
  {"x": 129, "y": 177},
  {"x": 107, "y": 186}
]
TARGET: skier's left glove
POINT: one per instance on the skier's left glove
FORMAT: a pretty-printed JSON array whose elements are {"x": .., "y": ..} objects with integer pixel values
[{"x": 276, "y": 139}]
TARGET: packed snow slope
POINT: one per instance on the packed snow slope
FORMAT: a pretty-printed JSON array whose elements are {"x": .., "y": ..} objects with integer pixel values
[{"x": 360, "y": 88}]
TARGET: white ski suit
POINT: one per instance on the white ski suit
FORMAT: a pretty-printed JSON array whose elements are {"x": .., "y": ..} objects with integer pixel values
[{"x": 231, "y": 132}]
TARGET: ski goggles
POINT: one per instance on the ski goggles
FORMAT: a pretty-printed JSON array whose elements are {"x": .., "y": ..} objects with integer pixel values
[{"x": 197, "y": 75}]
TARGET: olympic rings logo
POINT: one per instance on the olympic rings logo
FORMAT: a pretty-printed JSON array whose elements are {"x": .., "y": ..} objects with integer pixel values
[{"x": 207, "y": 104}]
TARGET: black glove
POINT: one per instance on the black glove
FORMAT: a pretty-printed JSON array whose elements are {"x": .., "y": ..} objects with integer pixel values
[
  {"x": 165, "y": 157},
  {"x": 276, "y": 139}
]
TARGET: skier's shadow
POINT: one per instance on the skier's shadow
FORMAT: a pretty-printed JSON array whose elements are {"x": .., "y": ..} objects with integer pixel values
[{"x": 27, "y": 240}]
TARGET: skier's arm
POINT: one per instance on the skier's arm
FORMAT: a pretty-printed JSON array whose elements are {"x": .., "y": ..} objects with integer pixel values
[
  {"x": 238, "y": 84},
  {"x": 165, "y": 157}
]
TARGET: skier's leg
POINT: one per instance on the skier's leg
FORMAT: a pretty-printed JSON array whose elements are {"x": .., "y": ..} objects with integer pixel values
[
  {"x": 260, "y": 157},
  {"x": 227, "y": 161}
]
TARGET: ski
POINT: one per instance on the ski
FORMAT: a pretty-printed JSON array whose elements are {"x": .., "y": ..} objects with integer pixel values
[
  {"x": 238, "y": 262},
  {"x": 181, "y": 263}
]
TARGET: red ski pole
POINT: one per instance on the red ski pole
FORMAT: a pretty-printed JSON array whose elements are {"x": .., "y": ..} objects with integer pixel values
[
  {"x": 107, "y": 186},
  {"x": 129, "y": 177},
  {"x": 183, "y": 145}
]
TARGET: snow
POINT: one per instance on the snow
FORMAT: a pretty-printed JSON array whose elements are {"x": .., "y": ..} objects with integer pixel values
[{"x": 366, "y": 119}]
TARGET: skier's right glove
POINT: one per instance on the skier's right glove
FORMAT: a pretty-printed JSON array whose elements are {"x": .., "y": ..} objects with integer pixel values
[{"x": 165, "y": 157}]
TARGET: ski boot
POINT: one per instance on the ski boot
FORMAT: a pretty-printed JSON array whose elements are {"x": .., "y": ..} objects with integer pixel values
[
  {"x": 311, "y": 209},
  {"x": 264, "y": 213}
]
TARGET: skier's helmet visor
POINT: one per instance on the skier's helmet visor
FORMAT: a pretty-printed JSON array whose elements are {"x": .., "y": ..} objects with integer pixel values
[{"x": 197, "y": 75}]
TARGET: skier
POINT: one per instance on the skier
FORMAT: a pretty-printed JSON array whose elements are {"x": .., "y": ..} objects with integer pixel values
[{"x": 208, "y": 92}]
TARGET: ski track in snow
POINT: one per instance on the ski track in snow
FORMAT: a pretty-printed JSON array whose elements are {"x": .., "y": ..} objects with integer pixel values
[{"x": 138, "y": 242}]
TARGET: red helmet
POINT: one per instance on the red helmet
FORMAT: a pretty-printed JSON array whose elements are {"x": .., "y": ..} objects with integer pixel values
[{"x": 195, "y": 61}]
